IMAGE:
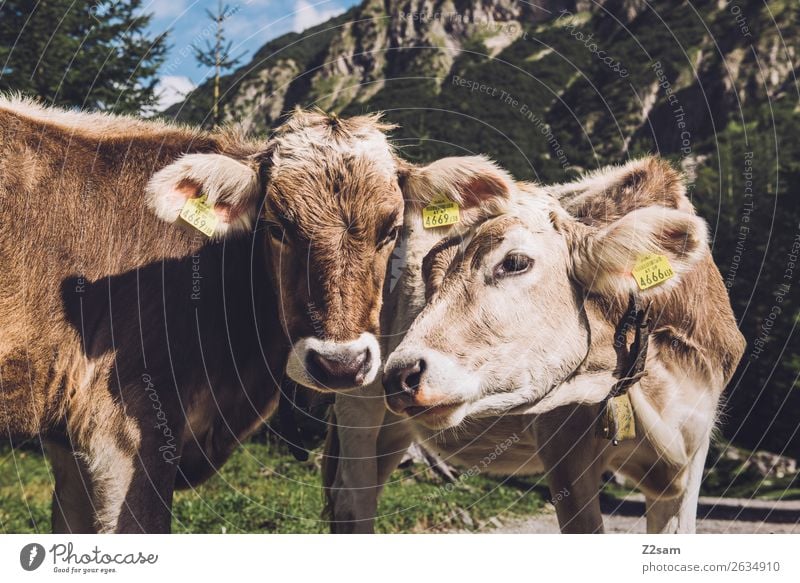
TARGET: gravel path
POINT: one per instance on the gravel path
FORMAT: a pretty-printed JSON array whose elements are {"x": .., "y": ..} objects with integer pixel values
[{"x": 715, "y": 515}]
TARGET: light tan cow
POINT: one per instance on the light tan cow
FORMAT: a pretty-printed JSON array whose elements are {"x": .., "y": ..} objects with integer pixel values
[{"x": 516, "y": 340}]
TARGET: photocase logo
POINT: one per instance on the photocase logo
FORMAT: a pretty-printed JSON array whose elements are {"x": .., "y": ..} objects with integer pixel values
[{"x": 31, "y": 556}]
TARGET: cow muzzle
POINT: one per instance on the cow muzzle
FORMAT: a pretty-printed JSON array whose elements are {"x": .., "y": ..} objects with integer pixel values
[
  {"x": 326, "y": 365},
  {"x": 432, "y": 389}
]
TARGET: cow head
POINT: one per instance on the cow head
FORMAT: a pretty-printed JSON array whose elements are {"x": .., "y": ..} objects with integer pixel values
[
  {"x": 504, "y": 321},
  {"x": 330, "y": 196},
  {"x": 324, "y": 193}
]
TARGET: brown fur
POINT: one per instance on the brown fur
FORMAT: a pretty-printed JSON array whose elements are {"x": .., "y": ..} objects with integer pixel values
[
  {"x": 332, "y": 229},
  {"x": 693, "y": 325},
  {"x": 333, "y": 238},
  {"x": 648, "y": 182},
  {"x": 103, "y": 346}
]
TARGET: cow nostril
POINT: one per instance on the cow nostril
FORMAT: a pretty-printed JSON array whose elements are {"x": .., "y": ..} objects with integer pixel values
[
  {"x": 363, "y": 364},
  {"x": 329, "y": 367},
  {"x": 411, "y": 377},
  {"x": 340, "y": 370}
]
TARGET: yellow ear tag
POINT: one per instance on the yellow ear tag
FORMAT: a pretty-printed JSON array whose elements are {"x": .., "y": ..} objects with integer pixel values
[
  {"x": 652, "y": 270},
  {"x": 616, "y": 420},
  {"x": 440, "y": 213},
  {"x": 200, "y": 215}
]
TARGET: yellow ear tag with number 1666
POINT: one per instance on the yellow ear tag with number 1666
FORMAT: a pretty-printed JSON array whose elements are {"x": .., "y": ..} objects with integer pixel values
[
  {"x": 440, "y": 213},
  {"x": 652, "y": 270},
  {"x": 200, "y": 215}
]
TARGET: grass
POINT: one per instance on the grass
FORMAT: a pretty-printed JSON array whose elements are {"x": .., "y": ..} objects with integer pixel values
[{"x": 264, "y": 490}]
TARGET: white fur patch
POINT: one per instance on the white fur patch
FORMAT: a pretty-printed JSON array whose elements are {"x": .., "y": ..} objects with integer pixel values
[
  {"x": 112, "y": 472},
  {"x": 293, "y": 150},
  {"x": 221, "y": 178},
  {"x": 296, "y": 366}
]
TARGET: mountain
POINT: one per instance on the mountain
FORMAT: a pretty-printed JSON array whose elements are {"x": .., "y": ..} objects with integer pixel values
[
  {"x": 556, "y": 87},
  {"x": 587, "y": 69}
]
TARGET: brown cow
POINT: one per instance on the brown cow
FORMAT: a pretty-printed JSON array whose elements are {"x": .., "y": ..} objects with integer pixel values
[{"x": 141, "y": 351}]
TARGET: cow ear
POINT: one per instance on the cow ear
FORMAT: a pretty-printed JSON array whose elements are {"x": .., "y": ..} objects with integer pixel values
[
  {"x": 604, "y": 259},
  {"x": 230, "y": 187},
  {"x": 470, "y": 181}
]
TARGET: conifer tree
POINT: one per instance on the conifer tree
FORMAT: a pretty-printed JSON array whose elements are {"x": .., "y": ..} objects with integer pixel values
[{"x": 93, "y": 54}]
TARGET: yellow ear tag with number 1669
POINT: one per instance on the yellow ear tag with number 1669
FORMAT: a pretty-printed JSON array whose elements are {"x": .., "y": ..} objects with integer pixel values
[
  {"x": 200, "y": 215},
  {"x": 652, "y": 270},
  {"x": 440, "y": 213}
]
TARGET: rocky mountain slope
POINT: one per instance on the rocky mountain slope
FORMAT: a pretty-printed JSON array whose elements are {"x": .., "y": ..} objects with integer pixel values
[{"x": 588, "y": 69}]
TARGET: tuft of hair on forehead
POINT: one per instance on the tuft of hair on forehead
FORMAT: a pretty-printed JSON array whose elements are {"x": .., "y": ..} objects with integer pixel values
[
  {"x": 308, "y": 134},
  {"x": 331, "y": 126}
]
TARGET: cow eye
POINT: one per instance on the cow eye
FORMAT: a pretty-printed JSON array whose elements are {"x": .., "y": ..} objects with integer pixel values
[
  {"x": 513, "y": 264},
  {"x": 390, "y": 237},
  {"x": 277, "y": 233}
]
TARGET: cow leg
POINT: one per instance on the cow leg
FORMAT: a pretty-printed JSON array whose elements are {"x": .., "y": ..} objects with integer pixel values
[
  {"x": 679, "y": 515},
  {"x": 352, "y": 471},
  {"x": 73, "y": 507},
  {"x": 574, "y": 465},
  {"x": 394, "y": 440},
  {"x": 357, "y": 506},
  {"x": 147, "y": 507},
  {"x": 133, "y": 479}
]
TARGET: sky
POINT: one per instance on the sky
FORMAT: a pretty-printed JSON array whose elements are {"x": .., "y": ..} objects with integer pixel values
[{"x": 253, "y": 23}]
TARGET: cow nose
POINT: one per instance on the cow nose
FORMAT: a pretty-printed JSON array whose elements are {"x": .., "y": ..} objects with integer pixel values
[
  {"x": 402, "y": 385},
  {"x": 340, "y": 371}
]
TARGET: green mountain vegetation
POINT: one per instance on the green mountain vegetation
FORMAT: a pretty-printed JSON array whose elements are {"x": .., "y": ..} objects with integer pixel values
[{"x": 559, "y": 87}]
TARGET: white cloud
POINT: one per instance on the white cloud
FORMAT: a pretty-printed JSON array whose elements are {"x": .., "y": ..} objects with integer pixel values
[
  {"x": 164, "y": 8},
  {"x": 171, "y": 89},
  {"x": 307, "y": 15}
]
